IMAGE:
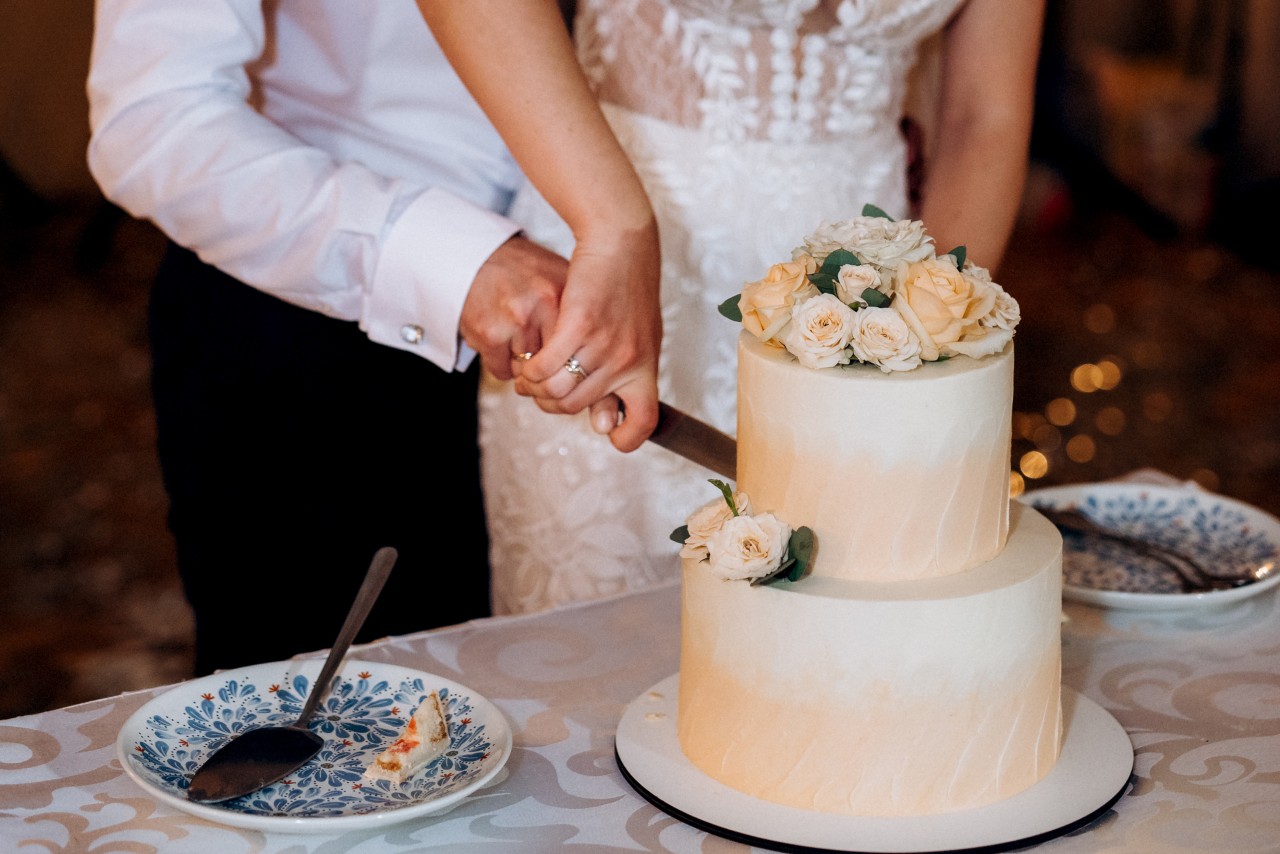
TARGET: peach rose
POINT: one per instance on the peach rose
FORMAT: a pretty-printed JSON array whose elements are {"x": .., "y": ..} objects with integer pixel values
[
  {"x": 766, "y": 305},
  {"x": 939, "y": 303}
]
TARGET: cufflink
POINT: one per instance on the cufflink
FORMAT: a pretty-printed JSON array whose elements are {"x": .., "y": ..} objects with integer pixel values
[{"x": 411, "y": 333}]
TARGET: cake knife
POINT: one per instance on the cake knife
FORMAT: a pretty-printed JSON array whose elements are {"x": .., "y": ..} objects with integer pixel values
[{"x": 696, "y": 440}]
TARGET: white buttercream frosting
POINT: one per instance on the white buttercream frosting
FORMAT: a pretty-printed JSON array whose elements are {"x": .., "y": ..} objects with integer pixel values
[
  {"x": 879, "y": 698},
  {"x": 899, "y": 476}
]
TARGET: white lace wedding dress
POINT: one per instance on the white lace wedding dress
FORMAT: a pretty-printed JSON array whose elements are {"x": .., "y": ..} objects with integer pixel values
[{"x": 750, "y": 122}]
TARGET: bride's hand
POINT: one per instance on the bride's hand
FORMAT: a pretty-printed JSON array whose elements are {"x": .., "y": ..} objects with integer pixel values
[{"x": 607, "y": 337}]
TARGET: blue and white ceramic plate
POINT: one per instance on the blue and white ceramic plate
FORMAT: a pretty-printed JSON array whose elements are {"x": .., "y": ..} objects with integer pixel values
[
  {"x": 162, "y": 744},
  {"x": 1225, "y": 536}
]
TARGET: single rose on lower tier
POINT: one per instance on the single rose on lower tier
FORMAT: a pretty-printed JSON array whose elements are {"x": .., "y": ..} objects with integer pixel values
[
  {"x": 766, "y": 304},
  {"x": 708, "y": 519},
  {"x": 748, "y": 547},
  {"x": 940, "y": 303},
  {"x": 819, "y": 332}
]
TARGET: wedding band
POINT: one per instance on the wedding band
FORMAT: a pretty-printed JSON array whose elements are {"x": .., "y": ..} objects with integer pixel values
[
  {"x": 524, "y": 357},
  {"x": 574, "y": 367}
]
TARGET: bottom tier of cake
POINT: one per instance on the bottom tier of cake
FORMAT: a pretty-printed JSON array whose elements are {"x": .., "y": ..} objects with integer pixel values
[{"x": 879, "y": 699}]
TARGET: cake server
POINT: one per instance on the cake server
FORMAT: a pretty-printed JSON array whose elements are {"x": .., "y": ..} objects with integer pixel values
[
  {"x": 259, "y": 757},
  {"x": 696, "y": 440}
]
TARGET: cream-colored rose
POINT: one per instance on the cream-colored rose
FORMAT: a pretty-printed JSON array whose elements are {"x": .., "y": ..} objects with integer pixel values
[
  {"x": 875, "y": 240},
  {"x": 852, "y": 280},
  {"x": 748, "y": 547},
  {"x": 708, "y": 519},
  {"x": 819, "y": 332},
  {"x": 1006, "y": 313},
  {"x": 766, "y": 304},
  {"x": 939, "y": 303},
  {"x": 882, "y": 338}
]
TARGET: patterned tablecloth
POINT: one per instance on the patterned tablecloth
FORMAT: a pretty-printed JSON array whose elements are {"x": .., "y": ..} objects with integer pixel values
[{"x": 1197, "y": 691}]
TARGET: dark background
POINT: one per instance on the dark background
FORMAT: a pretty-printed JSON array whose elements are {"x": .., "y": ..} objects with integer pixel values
[{"x": 1144, "y": 260}]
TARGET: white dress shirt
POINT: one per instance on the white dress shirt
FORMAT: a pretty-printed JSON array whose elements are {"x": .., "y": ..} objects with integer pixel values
[{"x": 320, "y": 150}]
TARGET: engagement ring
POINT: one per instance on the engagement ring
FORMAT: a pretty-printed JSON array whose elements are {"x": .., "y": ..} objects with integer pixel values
[
  {"x": 524, "y": 357},
  {"x": 574, "y": 367}
]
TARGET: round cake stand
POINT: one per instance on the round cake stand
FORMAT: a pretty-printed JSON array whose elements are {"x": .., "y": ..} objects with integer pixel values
[{"x": 1090, "y": 776}]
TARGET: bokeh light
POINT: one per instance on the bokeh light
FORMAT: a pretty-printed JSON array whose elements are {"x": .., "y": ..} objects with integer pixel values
[
  {"x": 1034, "y": 464},
  {"x": 1060, "y": 411},
  {"x": 1110, "y": 420},
  {"x": 1157, "y": 406},
  {"x": 1081, "y": 449}
]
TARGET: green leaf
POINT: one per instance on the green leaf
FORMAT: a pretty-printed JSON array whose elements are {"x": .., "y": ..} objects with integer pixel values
[
  {"x": 874, "y": 298},
  {"x": 959, "y": 253},
  {"x": 823, "y": 282},
  {"x": 679, "y": 535},
  {"x": 775, "y": 575},
  {"x": 727, "y": 491},
  {"x": 837, "y": 259},
  {"x": 872, "y": 210},
  {"x": 800, "y": 548},
  {"x": 729, "y": 308}
]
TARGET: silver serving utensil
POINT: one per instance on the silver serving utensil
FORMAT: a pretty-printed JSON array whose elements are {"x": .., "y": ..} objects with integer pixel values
[
  {"x": 259, "y": 757},
  {"x": 1195, "y": 578}
]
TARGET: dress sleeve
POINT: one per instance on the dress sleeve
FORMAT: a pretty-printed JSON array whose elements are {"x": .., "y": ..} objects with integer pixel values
[{"x": 175, "y": 139}]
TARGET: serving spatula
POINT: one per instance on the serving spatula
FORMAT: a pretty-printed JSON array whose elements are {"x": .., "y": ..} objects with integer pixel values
[{"x": 259, "y": 757}]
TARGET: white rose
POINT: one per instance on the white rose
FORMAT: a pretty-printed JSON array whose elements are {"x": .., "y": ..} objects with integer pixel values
[
  {"x": 819, "y": 332},
  {"x": 882, "y": 338},
  {"x": 748, "y": 547},
  {"x": 708, "y": 519},
  {"x": 875, "y": 240},
  {"x": 852, "y": 280},
  {"x": 1006, "y": 313},
  {"x": 901, "y": 240}
]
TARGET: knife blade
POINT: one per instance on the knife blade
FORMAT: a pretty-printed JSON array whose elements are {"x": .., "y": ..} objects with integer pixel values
[{"x": 696, "y": 441}]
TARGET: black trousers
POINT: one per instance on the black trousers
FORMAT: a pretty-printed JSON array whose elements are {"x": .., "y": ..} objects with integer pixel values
[{"x": 292, "y": 448}]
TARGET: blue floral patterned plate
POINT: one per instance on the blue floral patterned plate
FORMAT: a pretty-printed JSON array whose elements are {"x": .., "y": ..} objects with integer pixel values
[
  {"x": 163, "y": 743},
  {"x": 1225, "y": 536}
]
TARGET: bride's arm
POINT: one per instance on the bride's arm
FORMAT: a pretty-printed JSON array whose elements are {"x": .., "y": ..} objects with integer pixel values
[
  {"x": 975, "y": 175},
  {"x": 517, "y": 59}
]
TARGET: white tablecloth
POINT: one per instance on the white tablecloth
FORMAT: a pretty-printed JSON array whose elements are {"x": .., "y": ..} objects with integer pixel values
[{"x": 1198, "y": 692}]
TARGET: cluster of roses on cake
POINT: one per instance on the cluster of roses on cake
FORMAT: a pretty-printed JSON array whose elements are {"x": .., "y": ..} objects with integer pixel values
[
  {"x": 739, "y": 545},
  {"x": 873, "y": 289}
]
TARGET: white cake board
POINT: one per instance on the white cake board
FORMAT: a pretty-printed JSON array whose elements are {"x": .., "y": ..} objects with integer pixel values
[{"x": 1090, "y": 776}]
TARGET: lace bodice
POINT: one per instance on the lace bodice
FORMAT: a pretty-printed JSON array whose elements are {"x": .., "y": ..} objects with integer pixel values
[
  {"x": 784, "y": 70},
  {"x": 749, "y": 122}
]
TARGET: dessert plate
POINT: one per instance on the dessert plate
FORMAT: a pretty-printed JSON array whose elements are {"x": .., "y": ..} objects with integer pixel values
[
  {"x": 1092, "y": 773},
  {"x": 164, "y": 742},
  {"x": 1225, "y": 536}
]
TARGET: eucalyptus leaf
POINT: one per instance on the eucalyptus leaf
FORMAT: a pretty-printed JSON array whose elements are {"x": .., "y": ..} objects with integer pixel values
[
  {"x": 800, "y": 548},
  {"x": 874, "y": 298},
  {"x": 823, "y": 282},
  {"x": 959, "y": 253},
  {"x": 777, "y": 573},
  {"x": 872, "y": 210},
  {"x": 680, "y": 535},
  {"x": 837, "y": 259},
  {"x": 730, "y": 309}
]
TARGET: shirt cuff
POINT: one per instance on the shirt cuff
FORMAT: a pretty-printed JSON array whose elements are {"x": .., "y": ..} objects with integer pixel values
[{"x": 427, "y": 265}]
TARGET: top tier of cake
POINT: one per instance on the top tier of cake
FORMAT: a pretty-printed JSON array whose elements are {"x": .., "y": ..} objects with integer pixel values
[{"x": 900, "y": 476}]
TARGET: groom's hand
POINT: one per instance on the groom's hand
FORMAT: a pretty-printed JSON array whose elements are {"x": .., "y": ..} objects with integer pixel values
[{"x": 513, "y": 303}]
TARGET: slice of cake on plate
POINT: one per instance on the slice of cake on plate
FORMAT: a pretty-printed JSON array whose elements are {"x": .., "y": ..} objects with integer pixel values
[{"x": 425, "y": 736}]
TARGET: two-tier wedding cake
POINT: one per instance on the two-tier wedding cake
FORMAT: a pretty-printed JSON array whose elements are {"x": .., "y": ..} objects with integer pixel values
[{"x": 869, "y": 627}]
